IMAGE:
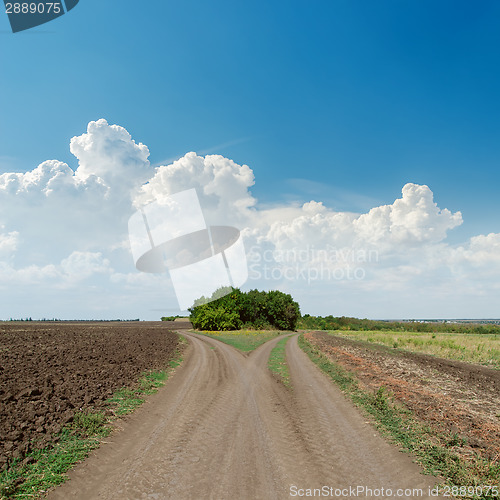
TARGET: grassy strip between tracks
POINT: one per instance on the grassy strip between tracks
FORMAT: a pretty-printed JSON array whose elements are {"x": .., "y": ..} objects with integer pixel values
[
  {"x": 244, "y": 340},
  {"x": 277, "y": 362},
  {"x": 430, "y": 448},
  {"x": 44, "y": 468}
]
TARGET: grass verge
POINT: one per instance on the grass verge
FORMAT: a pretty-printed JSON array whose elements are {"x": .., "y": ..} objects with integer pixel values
[
  {"x": 244, "y": 340},
  {"x": 46, "y": 467},
  {"x": 277, "y": 362},
  {"x": 430, "y": 448}
]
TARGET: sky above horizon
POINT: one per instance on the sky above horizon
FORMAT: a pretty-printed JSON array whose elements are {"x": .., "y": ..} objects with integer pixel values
[{"x": 355, "y": 144}]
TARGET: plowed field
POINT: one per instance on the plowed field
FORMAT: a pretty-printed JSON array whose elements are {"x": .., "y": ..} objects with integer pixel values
[{"x": 50, "y": 370}]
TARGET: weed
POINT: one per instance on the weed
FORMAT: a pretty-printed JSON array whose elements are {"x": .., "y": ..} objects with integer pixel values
[
  {"x": 380, "y": 400},
  {"x": 125, "y": 400},
  {"x": 48, "y": 465},
  {"x": 457, "y": 440},
  {"x": 277, "y": 362},
  {"x": 89, "y": 423}
]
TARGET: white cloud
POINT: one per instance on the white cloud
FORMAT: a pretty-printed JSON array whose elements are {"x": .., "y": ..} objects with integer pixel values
[
  {"x": 8, "y": 244},
  {"x": 222, "y": 186},
  {"x": 109, "y": 153},
  {"x": 483, "y": 250},
  {"x": 63, "y": 229},
  {"x": 412, "y": 219},
  {"x": 56, "y": 210},
  {"x": 80, "y": 265},
  {"x": 76, "y": 267}
]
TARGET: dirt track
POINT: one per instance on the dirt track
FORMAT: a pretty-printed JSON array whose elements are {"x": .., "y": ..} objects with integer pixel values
[{"x": 223, "y": 428}]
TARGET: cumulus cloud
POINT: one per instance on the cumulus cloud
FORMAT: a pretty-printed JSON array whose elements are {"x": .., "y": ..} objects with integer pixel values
[
  {"x": 414, "y": 218},
  {"x": 55, "y": 210},
  {"x": 483, "y": 250},
  {"x": 109, "y": 153},
  {"x": 62, "y": 228},
  {"x": 8, "y": 244},
  {"x": 109, "y": 162},
  {"x": 222, "y": 186},
  {"x": 48, "y": 177}
]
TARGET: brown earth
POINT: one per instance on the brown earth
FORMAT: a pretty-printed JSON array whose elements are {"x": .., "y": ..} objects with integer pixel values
[
  {"x": 223, "y": 428},
  {"x": 459, "y": 400},
  {"x": 50, "y": 370}
]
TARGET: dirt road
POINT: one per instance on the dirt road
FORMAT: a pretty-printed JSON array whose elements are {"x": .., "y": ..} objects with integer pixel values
[{"x": 223, "y": 428}]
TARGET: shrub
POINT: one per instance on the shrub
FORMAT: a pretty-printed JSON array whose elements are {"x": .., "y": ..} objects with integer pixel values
[{"x": 230, "y": 309}]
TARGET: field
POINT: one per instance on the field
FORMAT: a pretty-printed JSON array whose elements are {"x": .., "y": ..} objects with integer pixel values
[
  {"x": 472, "y": 348},
  {"x": 228, "y": 402},
  {"x": 445, "y": 411},
  {"x": 52, "y": 373},
  {"x": 244, "y": 340}
]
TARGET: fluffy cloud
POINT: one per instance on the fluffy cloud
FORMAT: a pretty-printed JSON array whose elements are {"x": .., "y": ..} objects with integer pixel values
[
  {"x": 55, "y": 210},
  {"x": 222, "y": 186},
  {"x": 110, "y": 163},
  {"x": 109, "y": 153},
  {"x": 8, "y": 243},
  {"x": 48, "y": 177},
  {"x": 62, "y": 228},
  {"x": 483, "y": 250},
  {"x": 412, "y": 219}
]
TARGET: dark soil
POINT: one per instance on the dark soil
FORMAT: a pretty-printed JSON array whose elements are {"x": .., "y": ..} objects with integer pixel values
[
  {"x": 48, "y": 371},
  {"x": 460, "y": 400}
]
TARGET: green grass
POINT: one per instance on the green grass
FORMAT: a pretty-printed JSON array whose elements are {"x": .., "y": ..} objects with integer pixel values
[
  {"x": 49, "y": 464},
  {"x": 127, "y": 399},
  {"x": 277, "y": 362},
  {"x": 430, "y": 448},
  {"x": 244, "y": 340},
  {"x": 46, "y": 467},
  {"x": 468, "y": 347}
]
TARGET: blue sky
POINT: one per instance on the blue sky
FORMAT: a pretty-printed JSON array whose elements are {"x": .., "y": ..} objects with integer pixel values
[{"x": 341, "y": 102}]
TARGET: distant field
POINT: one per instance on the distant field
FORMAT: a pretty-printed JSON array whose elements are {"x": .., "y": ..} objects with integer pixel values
[
  {"x": 244, "y": 340},
  {"x": 471, "y": 348}
]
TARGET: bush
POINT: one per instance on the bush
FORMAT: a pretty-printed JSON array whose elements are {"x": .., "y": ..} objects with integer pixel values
[
  {"x": 215, "y": 319},
  {"x": 230, "y": 309}
]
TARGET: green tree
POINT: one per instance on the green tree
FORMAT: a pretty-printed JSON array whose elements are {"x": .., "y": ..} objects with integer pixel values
[{"x": 230, "y": 309}]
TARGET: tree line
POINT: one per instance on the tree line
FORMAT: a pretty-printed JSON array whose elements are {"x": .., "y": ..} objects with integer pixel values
[{"x": 346, "y": 323}]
